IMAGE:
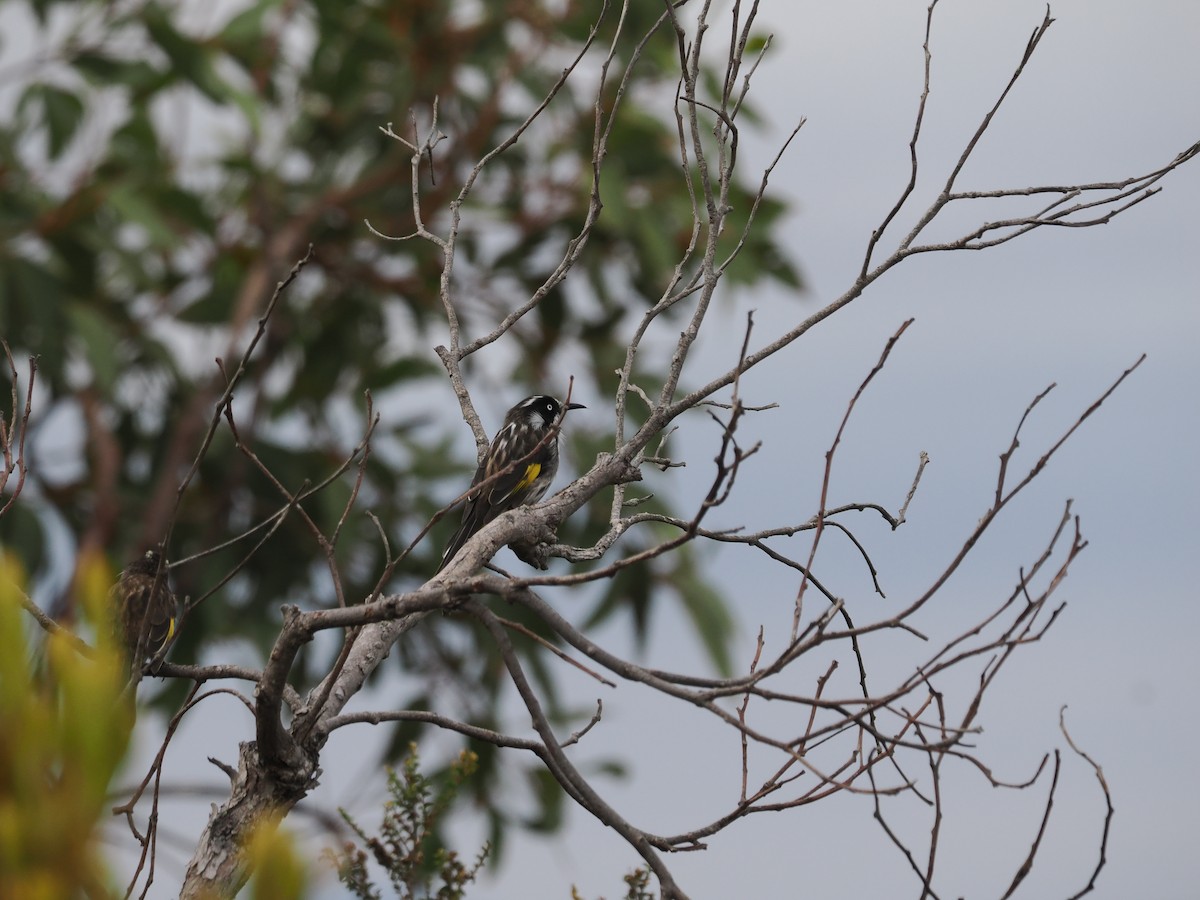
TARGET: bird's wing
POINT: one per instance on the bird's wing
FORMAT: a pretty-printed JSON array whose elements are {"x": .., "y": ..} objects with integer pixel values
[
  {"x": 506, "y": 492},
  {"x": 160, "y": 624}
]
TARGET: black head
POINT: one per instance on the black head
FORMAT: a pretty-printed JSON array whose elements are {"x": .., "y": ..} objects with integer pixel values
[
  {"x": 540, "y": 409},
  {"x": 147, "y": 563}
]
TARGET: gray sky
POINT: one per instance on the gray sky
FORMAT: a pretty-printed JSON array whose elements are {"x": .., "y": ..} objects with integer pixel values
[{"x": 1112, "y": 92}]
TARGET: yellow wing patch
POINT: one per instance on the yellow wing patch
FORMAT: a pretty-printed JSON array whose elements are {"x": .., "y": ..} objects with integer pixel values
[{"x": 531, "y": 473}]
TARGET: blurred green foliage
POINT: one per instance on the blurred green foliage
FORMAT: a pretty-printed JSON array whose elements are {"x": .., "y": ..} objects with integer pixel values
[
  {"x": 164, "y": 165},
  {"x": 66, "y": 728},
  {"x": 280, "y": 872}
]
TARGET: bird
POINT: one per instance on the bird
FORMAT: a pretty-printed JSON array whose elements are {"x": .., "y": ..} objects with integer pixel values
[
  {"x": 528, "y": 459},
  {"x": 146, "y": 609}
]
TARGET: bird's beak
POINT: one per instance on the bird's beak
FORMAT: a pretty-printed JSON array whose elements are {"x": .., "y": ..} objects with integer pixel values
[{"x": 576, "y": 406}]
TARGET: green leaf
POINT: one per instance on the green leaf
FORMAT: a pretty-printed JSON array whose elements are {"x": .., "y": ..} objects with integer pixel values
[
  {"x": 100, "y": 341},
  {"x": 549, "y": 796},
  {"x": 755, "y": 45},
  {"x": 213, "y": 306},
  {"x": 629, "y": 591},
  {"x": 248, "y": 103},
  {"x": 142, "y": 78},
  {"x": 64, "y": 112},
  {"x": 23, "y": 534},
  {"x": 135, "y": 147},
  {"x": 31, "y": 300},
  {"x": 189, "y": 59},
  {"x": 705, "y": 607},
  {"x": 247, "y": 26},
  {"x": 136, "y": 207}
]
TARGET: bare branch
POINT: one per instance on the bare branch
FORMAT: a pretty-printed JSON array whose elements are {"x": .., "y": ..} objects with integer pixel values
[
  {"x": 1109, "y": 811},
  {"x": 14, "y": 428}
]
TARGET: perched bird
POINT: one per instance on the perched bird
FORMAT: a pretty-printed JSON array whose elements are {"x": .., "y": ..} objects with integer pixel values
[
  {"x": 146, "y": 608},
  {"x": 522, "y": 484}
]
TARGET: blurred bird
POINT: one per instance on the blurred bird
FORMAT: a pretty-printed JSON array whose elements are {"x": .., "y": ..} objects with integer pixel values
[
  {"x": 146, "y": 608},
  {"x": 526, "y": 482}
]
